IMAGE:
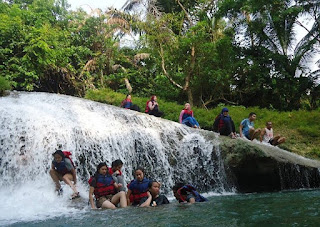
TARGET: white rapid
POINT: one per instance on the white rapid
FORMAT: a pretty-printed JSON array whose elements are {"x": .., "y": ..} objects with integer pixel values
[{"x": 34, "y": 125}]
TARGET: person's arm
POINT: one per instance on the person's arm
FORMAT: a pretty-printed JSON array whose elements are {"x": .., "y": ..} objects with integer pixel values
[
  {"x": 93, "y": 206},
  {"x": 114, "y": 177},
  {"x": 151, "y": 105},
  {"x": 148, "y": 201},
  {"x": 180, "y": 117},
  {"x": 128, "y": 197},
  {"x": 240, "y": 129},
  {"x": 262, "y": 134}
]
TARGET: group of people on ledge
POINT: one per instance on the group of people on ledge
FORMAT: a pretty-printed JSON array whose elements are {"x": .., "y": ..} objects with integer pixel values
[
  {"x": 107, "y": 190},
  {"x": 225, "y": 126},
  {"x": 152, "y": 107}
]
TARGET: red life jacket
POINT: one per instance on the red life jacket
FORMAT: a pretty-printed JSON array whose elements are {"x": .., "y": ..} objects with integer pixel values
[
  {"x": 104, "y": 185},
  {"x": 147, "y": 107},
  {"x": 139, "y": 190},
  {"x": 186, "y": 113},
  {"x": 111, "y": 171},
  {"x": 67, "y": 154}
]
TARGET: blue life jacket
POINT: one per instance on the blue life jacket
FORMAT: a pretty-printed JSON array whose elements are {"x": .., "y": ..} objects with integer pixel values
[
  {"x": 61, "y": 167},
  {"x": 139, "y": 189},
  {"x": 192, "y": 189}
]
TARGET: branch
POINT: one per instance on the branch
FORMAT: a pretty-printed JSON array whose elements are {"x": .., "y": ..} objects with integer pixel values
[
  {"x": 165, "y": 71},
  {"x": 185, "y": 12}
]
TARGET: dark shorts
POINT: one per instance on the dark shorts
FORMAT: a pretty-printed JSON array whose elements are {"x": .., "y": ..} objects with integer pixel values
[
  {"x": 102, "y": 199},
  {"x": 271, "y": 141}
]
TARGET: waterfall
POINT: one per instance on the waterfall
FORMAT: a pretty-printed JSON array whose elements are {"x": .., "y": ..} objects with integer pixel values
[{"x": 34, "y": 125}]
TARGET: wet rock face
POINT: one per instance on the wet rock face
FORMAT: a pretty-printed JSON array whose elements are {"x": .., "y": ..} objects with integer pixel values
[{"x": 259, "y": 168}]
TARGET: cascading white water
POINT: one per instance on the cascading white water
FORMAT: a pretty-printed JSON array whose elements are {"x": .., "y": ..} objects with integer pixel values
[{"x": 34, "y": 125}]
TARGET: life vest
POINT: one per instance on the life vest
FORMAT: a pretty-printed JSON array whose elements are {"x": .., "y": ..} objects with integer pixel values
[
  {"x": 139, "y": 190},
  {"x": 222, "y": 120},
  {"x": 67, "y": 154},
  {"x": 187, "y": 113},
  {"x": 111, "y": 171},
  {"x": 61, "y": 167},
  {"x": 127, "y": 103},
  {"x": 192, "y": 189},
  {"x": 104, "y": 185},
  {"x": 147, "y": 107}
]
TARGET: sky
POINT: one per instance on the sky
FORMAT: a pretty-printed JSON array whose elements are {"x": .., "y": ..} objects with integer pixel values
[{"x": 102, "y": 4}]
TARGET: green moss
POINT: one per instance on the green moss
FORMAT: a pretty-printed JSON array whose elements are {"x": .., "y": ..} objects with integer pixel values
[{"x": 4, "y": 85}]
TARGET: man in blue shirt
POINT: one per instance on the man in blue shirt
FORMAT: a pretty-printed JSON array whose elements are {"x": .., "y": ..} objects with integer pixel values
[{"x": 247, "y": 127}]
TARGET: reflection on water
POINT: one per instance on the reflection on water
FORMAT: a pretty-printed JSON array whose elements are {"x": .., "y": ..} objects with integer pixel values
[{"x": 295, "y": 208}]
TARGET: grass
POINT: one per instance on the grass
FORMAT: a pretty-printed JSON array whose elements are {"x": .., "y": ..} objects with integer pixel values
[{"x": 301, "y": 128}]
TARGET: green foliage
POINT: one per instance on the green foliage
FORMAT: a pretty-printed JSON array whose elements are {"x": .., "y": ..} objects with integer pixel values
[{"x": 4, "y": 85}]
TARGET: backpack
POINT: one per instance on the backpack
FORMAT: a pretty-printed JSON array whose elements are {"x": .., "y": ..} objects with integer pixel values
[{"x": 67, "y": 154}]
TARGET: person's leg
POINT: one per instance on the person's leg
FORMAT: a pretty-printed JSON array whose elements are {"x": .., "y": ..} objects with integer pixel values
[
  {"x": 56, "y": 178},
  {"x": 68, "y": 178},
  {"x": 254, "y": 133},
  {"x": 120, "y": 197},
  {"x": 108, "y": 205},
  {"x": 281, "y": 140},
  {"x": 278, "y": 140},
  {"x": 194, "y": 122},
  {"x": 187, "y": 122},
  {"x": 251, "y": 133}
]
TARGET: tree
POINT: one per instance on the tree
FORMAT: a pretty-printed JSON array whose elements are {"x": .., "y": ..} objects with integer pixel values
[{"x": 274, "y": 65}]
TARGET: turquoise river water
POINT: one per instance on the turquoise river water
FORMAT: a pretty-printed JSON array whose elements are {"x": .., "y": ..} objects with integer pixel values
[{"x": 290, "y": 208}]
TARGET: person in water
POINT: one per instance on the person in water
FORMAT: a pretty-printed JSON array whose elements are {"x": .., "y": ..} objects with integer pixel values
[
  {"x": 247, "y": 127},
  {"x": 62, "y": 169},
  {"x": 116, "y": 173},
  {"x": 224, "y": 124},
  {"x": 127, "y": 103},
  {"x": 186, "y": 117},
  {"x": 105, "y": 190},
  {"x": 186, "y": 193},
  {"x": 154, "y": 196},
  {"x": 267, "y": 136},
  {"x": 138, "y": 188},
  {"x": 152, "y": 107}
]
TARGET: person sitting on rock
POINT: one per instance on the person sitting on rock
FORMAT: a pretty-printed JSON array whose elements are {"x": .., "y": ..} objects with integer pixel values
[
  {"x": 186, "y": 117},
  {"x": 127, "y": 103},
  {"x": 247, "y": 127},
  {"x": 105, "y": 190},
  {"x": 224, "y": 124},
  {"x": 152, "y": 107},
  {"x": 267, "y": 135}
]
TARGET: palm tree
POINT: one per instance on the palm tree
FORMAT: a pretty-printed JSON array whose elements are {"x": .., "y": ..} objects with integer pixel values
[{"x": 271, "y": 27}]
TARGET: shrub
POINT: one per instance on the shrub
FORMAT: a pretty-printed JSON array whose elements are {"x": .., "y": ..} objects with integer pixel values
[{"x": 4, "y": 85}]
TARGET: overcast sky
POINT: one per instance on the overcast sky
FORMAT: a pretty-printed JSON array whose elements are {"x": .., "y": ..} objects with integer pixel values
[{"x": 102, "y": 4}]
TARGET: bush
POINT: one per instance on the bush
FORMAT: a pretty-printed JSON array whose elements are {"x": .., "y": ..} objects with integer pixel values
[{"x": 4, "y": 85}]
